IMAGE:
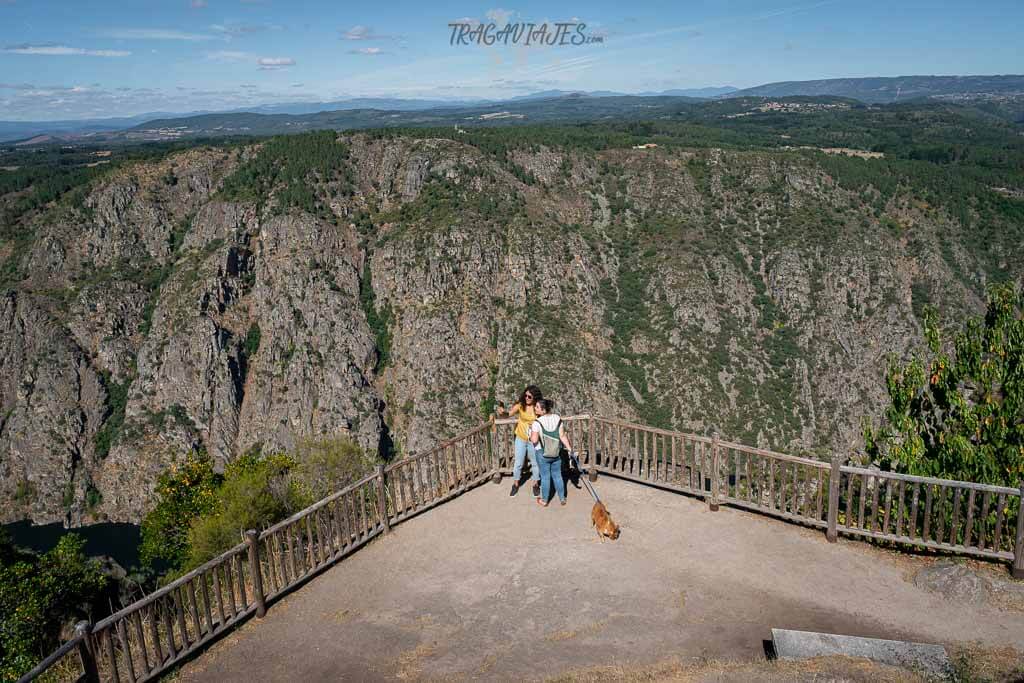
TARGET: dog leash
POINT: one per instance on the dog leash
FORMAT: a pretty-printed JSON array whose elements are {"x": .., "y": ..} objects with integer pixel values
[{"x": 586, "y": 481}]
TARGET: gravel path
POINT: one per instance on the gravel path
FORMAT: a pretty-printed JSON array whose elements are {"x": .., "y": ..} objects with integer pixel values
[{"x": 492, "y": 587}]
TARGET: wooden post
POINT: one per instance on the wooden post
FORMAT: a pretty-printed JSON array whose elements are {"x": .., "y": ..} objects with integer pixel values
[
  {"x": 832, "y": 534},
  {"x": 252, "y": 539},
  {"x": 592, "y": 460},
  {"x": 382, "y": 501},
  {"x": 87, "y": 652},
  {"x": 492, "y": 435},
  {"x": 1018, "y": 548},
  {"x": 713, "y": 498},
  {"x": 591, "y": 449}
]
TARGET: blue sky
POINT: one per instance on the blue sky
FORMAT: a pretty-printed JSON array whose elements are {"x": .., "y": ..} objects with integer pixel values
[{"x": 86, "y": 59}]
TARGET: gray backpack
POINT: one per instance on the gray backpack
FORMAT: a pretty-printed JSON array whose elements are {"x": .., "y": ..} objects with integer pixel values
[{"x": 551, "y": 440}]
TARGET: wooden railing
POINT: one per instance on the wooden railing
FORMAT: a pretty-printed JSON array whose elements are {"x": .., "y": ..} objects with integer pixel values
[
  {"x": 939, "y": 514},
  {"x": 956, "y": 516},
  {"x": 421, "y": 481},
  {"x": 149, "y": 637}
]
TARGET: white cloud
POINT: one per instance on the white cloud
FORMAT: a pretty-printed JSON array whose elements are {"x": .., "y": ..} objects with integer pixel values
[
  {"x": 356, "y": 33},
  {"x": 500, "y": 16},
  {"x": 366, "y": 51},
  {"x": 564, "y": 66},
  {"x": 275, "y": 63},
  {"x": 229, "y": 30},
  {"x": 155, "y": 34},
  {"x": 62, "y": 51},
  {"x": 230, "y": 56},
  {"x": 363, "y": 33}
]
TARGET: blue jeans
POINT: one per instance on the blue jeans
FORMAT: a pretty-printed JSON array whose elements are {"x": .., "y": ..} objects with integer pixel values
[
  {"x": 551, "y": 468},
  {"x": 522, "y": 449}
]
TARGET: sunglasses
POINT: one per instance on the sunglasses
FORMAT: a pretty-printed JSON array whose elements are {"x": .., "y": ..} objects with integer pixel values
[{"x": 529, "y": 396}]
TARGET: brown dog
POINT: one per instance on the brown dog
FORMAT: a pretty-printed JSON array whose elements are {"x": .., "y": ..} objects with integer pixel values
[{"x": 602, "y": 521}]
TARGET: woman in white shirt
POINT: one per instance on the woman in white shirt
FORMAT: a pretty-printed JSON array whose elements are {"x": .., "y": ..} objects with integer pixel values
[{"x": 548, "y": 436}]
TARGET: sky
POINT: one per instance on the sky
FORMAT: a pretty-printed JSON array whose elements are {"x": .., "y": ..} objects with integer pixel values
[{"x": 95, "y": 59}]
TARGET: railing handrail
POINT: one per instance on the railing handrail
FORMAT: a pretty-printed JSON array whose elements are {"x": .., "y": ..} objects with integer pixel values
[
  {"x": 306, "y": 511},
  {"x": 934, "y": 481},
  {"x": 51, "y": 659},
  {"x": 437, "y": 447},
  {"x": 164, "y": 590},
  {"x": 810, "y": 462},
  {"x": 565, "y": 418}
]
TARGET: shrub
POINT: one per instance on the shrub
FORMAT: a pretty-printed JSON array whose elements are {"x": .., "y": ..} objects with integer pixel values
[
  {"x": 184, "y": 492},
  {"x": 37, "y": 595},
  {"x": 330, "y": 465},
  {"x": 252, "y": 340},
  {"x": 255, "y": 493}
]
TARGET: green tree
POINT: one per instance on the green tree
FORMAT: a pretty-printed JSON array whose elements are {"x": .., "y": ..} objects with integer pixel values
[
  {"x": 184, "y": 492},
  {"x": 257, "y": 491},
  {"x": 37, "y": 595},
  {"x": 200, "y": 514},
  {"x": 959, "y": 413}
]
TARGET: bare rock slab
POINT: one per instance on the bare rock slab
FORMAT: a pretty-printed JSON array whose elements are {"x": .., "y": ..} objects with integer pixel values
[{"x": 927, "y": 659}]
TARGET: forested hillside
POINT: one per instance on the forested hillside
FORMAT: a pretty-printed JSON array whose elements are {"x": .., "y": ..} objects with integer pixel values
[{"x": 392, "y": 285}]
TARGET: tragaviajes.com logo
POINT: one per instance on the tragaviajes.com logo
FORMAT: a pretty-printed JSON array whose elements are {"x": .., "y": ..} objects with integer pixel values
[{"x": 522, "y": 33}]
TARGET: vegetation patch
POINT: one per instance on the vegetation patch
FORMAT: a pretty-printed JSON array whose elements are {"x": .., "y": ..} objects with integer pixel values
[
  {"x": 38, "y": 593},
  {"x": 199, "y": 513},
  {"x": 378, "y": 318},
  {"x": 299, "y": 171},
  {"x": 113, "y": 420}
]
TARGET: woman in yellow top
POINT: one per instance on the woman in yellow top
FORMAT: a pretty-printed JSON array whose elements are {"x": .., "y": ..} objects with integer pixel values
[{"x": 524, "y": 410}]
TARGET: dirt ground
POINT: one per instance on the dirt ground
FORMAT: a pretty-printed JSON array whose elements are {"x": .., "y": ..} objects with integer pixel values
[{"x": 495, "y": 588}]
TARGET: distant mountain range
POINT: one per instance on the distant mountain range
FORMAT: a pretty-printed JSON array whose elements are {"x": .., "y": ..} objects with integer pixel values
[
  {"x": 20, "y": 130},
  {"x": 562, "y": 105},
  {"x": 895, "y": 89},
  {"x": 569, "y": 108},
  {"x": 16, "y": 130},
  {"x": 699, "y": 93}
]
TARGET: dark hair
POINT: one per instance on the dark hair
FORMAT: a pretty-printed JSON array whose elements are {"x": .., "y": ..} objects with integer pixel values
[
  {"x": 547, "y": 404},
  {"x": 532, "y": 389}
]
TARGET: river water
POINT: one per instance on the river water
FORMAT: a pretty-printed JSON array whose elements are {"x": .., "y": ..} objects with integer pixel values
[{"x": 119, "y": 541}]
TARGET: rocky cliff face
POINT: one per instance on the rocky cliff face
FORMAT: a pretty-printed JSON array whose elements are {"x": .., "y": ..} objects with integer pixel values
[{"x": 744, "y": 291}]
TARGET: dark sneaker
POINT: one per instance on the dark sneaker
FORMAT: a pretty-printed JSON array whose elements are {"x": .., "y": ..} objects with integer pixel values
[
  {"x": 515, "y": 490},
  {"x": 536, "y": 489}
]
